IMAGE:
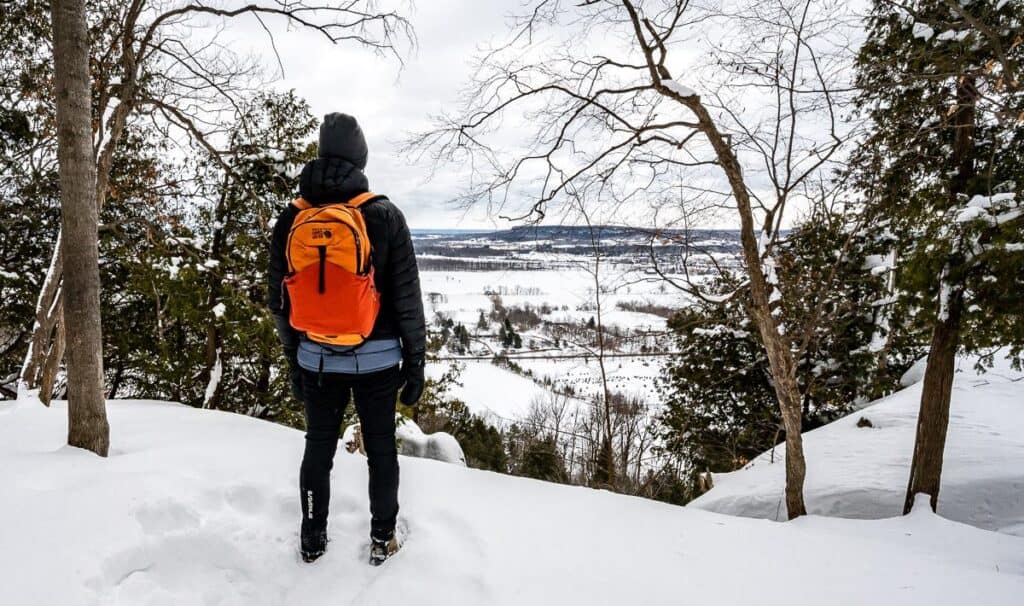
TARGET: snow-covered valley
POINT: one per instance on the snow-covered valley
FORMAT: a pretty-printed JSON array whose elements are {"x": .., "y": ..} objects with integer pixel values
[{"x": 545, "y": 283}]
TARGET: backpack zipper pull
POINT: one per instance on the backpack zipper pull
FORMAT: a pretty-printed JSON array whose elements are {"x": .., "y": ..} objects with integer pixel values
[{"x": 321, "y": 286}]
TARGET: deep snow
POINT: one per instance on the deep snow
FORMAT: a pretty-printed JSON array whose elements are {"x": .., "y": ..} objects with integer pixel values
[
  {"x": 200, "y": 507},
  {"x": 862, "y": 472}
]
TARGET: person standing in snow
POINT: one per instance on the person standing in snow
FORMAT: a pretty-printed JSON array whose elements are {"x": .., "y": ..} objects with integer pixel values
[{"x": 350, "y": 320}]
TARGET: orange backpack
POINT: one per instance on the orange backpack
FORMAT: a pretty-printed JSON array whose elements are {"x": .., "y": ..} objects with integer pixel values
[{"x": 330, "y": 285}]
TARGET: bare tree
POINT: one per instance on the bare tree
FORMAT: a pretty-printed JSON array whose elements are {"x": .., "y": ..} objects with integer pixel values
[
  {"x": 152, "y": 65},
  {"x": 607, "y": 121},
  {"x": 594, "y": 268},
  {"x": 87, "y": 417}
]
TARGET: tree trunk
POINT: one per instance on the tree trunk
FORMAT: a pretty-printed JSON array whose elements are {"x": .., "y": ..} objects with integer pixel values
[
  {"x": 933, "y": 417},
  {"x": 47, "y": 309},
  {"x": 882, "y": 337},
  {"x": 49, "y": 303},
  {"x": 87, "y": 418},
  {"x": 213, "y": 283},
  {"x": 780, "y": 361},
  {"x": 608, "y": 453},
  {"x": 52, "y": 364},
  {"x": 115, "y": 384},
  {"x": 936, "y": 390},
  {"x": 262, "y": 387},
  {"x": 780, "y": 358}
]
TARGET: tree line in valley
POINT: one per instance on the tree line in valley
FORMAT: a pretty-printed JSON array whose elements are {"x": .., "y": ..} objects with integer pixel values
[{"x": 899, "y": 157}]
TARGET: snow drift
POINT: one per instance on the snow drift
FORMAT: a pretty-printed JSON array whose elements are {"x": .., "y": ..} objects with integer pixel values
[
  {"x": 201, "y": 507},
  {"x": 861, "y": 472}
]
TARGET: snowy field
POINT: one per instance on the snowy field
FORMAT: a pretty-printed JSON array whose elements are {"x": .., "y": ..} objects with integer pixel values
[
  {"x": 568, "y": 293},
  {"x": 491, "y": 391},
  {"x": 201, "y": 507},
  {"x": 573, "y": 288},
  {"x": 861, "y": 472},
  {"x": 496, "y": 392}
]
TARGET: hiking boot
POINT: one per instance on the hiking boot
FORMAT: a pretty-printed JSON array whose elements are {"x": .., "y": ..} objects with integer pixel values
[
  {"x": 381, "y": 550},
  {"x": 314, "y": 544}
]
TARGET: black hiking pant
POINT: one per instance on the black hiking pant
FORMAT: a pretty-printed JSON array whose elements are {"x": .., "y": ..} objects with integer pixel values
[{"x": 326, "y": 396}]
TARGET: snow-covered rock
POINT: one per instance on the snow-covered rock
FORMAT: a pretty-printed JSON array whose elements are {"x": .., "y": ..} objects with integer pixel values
[
  {"x": 413, "y": 442},
  {"x": 914, "y": 374},
  {"x": 201, "y": 507},
  {"x": 920, "y": 30},
  {"x": 862, "y": 472}
]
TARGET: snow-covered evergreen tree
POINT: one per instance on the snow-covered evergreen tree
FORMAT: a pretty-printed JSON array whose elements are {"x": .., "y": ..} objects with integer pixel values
[
  {"x": 941, "y": 86},
  {"x": 211, "y": 340}
]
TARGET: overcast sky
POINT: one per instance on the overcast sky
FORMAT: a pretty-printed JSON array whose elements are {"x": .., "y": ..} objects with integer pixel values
[{"x": 390, "y": 100}]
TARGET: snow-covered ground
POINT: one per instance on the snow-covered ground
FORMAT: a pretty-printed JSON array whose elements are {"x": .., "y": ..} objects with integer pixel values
[
  {"x": 861, "y": 472},
  {"x": 489, "y": 390},
  {"x": 201, "y": 507},
  {"x": 503, "y": 395},
  {"x": 616, "y": 317}
]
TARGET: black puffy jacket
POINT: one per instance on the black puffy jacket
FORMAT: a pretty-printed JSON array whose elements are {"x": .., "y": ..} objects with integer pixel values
[{"x": 330, "y": 180}]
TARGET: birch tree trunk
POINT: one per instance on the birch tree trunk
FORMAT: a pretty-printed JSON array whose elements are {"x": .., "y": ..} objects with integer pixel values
[{"x": 87, "y": 418}]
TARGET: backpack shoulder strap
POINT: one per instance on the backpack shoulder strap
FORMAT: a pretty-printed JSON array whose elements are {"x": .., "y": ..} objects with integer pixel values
[
  {"x": 363, "y": 198},
  {"x": 301, "y": 204}
]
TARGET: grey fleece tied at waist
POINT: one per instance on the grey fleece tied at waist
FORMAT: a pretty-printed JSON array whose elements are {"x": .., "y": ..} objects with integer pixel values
[{"x": 369, "y": 357}]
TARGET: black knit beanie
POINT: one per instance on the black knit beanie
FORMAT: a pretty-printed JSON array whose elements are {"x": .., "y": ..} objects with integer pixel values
[{"x": 341, "y": 137}]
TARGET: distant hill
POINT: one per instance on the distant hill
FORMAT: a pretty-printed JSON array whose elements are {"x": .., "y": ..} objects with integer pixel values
[
  {"x": 525, "y": 247},
  {"x": 573, "y": 233}
]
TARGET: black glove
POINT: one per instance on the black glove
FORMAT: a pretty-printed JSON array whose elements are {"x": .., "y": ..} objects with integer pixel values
[
  {"x": 412, "y": 379},
  {"x": 294, "y": 372}
]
